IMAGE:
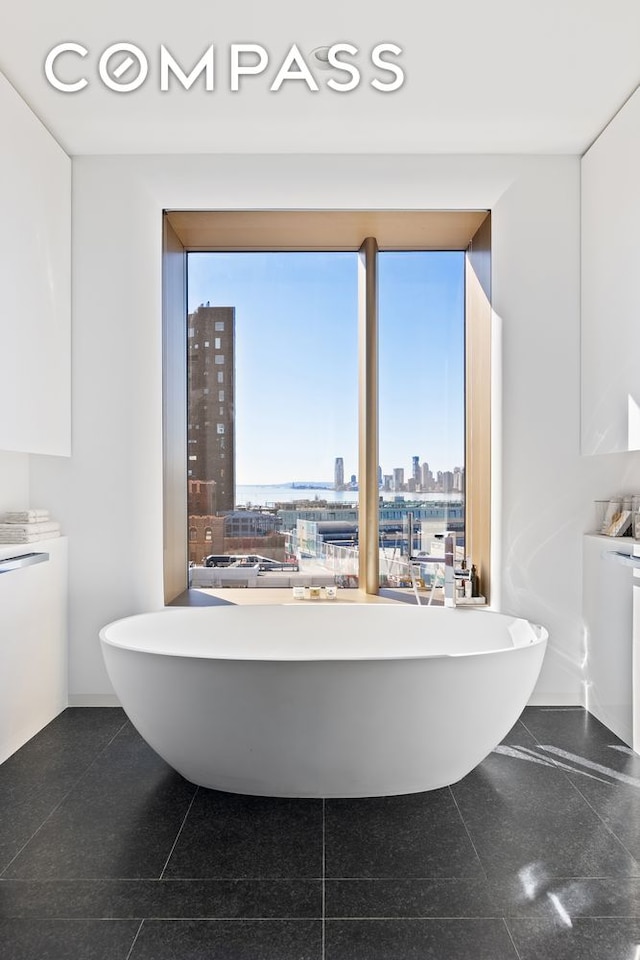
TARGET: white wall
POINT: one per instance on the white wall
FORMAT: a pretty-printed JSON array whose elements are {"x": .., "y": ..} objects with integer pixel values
[
  {"x": 109, "y": 495},
  {"x": 14, "y": 481},
  {"x": 35, "y": 276},
  {"x": 35, "y": 414},
  {"x": 610, "y": 285}
]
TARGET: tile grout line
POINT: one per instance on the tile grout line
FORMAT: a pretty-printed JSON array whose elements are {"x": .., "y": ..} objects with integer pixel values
[
  {"x": 179, "y": 918},
  {"x": 134, "y": 940},
  {"x": 174, "y": 844},
  {"x": 464, "y": 824},
  {"x": 433, "y": 878},
  {"x": 214, "y": 879},
  {"x": 346, "y": 918},
  {"x": 62, "y": 799},
  {"x": 510, "y": 935},
  {"x": 530, "y": 732},
  {"x": 324, "y": 874},
  {"x": 118, "y": 732}
]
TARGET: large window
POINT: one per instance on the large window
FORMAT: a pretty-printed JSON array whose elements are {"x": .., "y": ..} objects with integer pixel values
[
  {"x": 273, "y": 473},
  {"x": 338, "y": 400}
]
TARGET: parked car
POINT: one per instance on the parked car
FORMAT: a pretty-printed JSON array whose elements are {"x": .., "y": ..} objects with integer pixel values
[
  {"x": 214, "y": 560},
  {"x": 265, "y": 563},
  {"x": 249, "y": 560}
]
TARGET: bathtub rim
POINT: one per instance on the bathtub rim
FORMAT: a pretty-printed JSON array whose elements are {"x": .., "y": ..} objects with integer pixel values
[{"x": 539, "y": 635}]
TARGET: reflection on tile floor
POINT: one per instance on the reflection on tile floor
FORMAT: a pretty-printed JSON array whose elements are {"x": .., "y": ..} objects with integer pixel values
[{"x": 107, "y": 854}]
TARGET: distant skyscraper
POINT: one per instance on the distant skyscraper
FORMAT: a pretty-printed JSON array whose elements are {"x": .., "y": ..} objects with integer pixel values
[
  {"x": 379, "y": 476},
  {"x": 211, "y": 393},
  {"x": 398, "y": 478},
  {"x": 415, "y": 469},
  {"x": 427, "y": 477},
  {"x": 338, "y": 475}
]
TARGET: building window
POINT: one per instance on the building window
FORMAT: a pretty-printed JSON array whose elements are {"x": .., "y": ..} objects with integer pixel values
[
  {"x": 221, "y": 376},
  {"x": 219, "y": 358},
  {"x": 219, "y": 325},
  {"x": 220, "y": 428},
  {"x": 208, "y": 534},
  {"x": 221, "y": 396},
  {"x": 217, "y": 343},
  {"x": 193, "y": 533}
]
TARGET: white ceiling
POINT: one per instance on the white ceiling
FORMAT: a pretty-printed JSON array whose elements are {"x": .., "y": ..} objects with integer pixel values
[{"x": 482, "y": 76}]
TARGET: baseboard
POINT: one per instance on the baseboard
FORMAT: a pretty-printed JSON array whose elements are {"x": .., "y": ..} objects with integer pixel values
[
  {"x": 93, "y": 700},
  {"x": 555, "y": 700}
]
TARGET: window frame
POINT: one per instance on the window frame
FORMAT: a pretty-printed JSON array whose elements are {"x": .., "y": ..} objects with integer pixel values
[{"x": 242, "y": 230}]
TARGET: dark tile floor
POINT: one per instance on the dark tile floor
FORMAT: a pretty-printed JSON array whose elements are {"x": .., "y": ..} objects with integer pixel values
[{"x": 107, "y": 854}]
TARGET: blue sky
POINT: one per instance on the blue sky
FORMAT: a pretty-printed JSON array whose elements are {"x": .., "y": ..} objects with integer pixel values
[{"x": 297, "y": 359}]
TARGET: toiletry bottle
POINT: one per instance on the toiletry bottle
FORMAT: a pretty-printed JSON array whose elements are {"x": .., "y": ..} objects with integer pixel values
[{"x": 475, "y": 585}]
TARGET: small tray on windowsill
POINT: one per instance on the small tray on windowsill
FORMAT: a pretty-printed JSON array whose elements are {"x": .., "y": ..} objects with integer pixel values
[{"x": 470, "y": 601}]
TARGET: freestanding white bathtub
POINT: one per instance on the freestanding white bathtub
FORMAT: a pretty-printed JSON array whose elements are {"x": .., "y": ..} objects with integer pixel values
[{"x": 323, "y": 699}]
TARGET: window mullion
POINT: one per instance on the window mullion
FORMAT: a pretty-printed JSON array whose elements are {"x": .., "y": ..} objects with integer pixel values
[{"x": 368, "y": 526}]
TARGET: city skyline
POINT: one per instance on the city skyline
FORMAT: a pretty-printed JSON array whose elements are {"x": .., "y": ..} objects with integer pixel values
[
  {"x": 347, "y": 474},
  {"x": 297, "y": 358},
  {"x": 284, "y": 481},
  {"x": 451, "y": 469}
]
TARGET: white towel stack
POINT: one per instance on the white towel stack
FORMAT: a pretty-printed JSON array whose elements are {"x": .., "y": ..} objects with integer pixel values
[{"x": 27, "y": 526}]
